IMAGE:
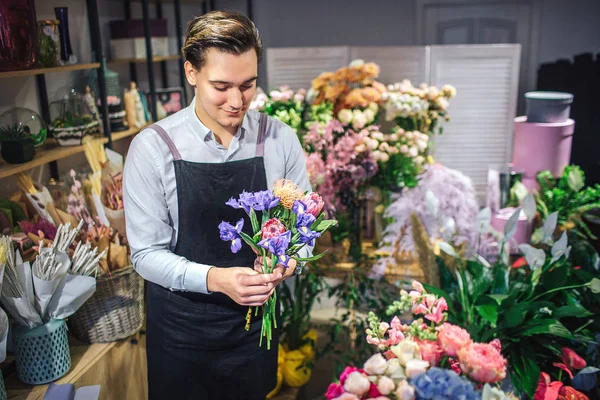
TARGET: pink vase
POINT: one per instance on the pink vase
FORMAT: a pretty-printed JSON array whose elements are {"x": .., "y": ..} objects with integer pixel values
[
  {"x": 541, "y": 146},
  {"x": 523, "y": 232}
]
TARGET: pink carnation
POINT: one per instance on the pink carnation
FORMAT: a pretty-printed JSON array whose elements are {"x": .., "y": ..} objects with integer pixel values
[
  {"x": 430, "y": 352},
  {"x": 482, "y": 362},
  {"x": 272, "y": 228},
  {"x": 451, "y": 338},
  {"x": 314, "y": 203}
]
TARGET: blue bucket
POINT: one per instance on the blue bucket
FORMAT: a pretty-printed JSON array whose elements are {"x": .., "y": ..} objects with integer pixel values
[
  {"x": 2, "y": 388},
  {"x": 42, "y": 353}
]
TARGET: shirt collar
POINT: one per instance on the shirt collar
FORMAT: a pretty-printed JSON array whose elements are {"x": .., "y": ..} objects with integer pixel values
[{"x": 206, "y": 133}]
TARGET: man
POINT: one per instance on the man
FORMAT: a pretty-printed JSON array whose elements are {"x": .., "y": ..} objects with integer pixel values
[{"x": 178, "y": 176}]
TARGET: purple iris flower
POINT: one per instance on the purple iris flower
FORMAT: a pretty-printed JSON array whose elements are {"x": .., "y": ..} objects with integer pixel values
[
  {"x": 299, "y": 208},
  {"x": 305, "y": 220},
  {"x": 231, "y": 233},
  {"x": 307, "y": 236},
  {"x": 265, "y": 200},
  {"x": 278, "y": 245}
]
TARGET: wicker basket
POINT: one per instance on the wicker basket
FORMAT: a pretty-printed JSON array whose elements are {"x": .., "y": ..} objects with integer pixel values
[
  {"x": 115, "y": 311},
  {"x": 43, "y": 354},
  {"x": 2, "y": 388}
]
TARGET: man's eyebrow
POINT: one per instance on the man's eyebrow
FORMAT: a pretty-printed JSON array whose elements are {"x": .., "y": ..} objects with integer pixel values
[{"x": 230, "y": 83}]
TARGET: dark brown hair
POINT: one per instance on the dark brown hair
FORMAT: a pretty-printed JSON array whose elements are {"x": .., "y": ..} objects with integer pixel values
[{"x": 230, "y": 32}]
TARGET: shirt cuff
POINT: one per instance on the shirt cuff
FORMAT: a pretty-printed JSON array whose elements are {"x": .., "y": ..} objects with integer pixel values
[{"x": 195, "y": 278}]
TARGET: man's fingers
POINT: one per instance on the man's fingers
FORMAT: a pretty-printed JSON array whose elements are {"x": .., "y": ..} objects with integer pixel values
[
  {"x": 256, "y": 300},
  {"x": 260, "y": 279}
]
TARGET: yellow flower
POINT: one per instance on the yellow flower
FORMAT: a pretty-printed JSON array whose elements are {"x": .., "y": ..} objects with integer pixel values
[
  {"x": 288, "y": 192},
  {"x": 430, "y": 160}
]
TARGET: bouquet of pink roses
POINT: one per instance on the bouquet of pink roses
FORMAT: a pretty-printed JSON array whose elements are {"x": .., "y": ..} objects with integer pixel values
[
  {"x": 290, "y": 220},
  {"x": 427, "y": 359}
]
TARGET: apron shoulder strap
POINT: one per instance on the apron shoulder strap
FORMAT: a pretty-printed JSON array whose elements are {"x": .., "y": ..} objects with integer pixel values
[
  {"x": 262, "y": 129},
  {"x": 165, "y": 136}
]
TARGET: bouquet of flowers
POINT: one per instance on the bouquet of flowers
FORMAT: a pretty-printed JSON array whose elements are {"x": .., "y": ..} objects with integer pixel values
[
  {"x": 417, "y": 109},
  {"x": 350, "y": 87},
  {"x": 428, "y": 359},
  {"x": 291, "y": 219},
  {"x": 283, "y": 104}
]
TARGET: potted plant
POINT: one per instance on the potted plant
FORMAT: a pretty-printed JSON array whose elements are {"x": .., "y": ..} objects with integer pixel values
[{"x": 17, "y": 144}]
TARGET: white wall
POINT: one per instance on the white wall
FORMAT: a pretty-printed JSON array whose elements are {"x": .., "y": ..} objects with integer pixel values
[{"x": 567, "y": 28}]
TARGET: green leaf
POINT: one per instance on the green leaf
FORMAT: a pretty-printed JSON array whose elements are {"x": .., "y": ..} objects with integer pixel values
[
  {"x": 313, "y": 258},
  {"x": 249, "y": 241},
  {"x": 525, "y": 371},
  {"x": 576, "y": 311},
  {"x": 515, "y": 315},
  {"x": 254, "y": 220},
  {"x": 489, "y": 312},
  {"x": 547, "y": 326},
  {"x": 324, "y": 225},
  {"x": 498, "y": 298},
  {"x": 256, "y": 238}
]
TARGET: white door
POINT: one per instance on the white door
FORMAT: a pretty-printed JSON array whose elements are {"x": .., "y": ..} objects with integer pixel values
[{"x": 484, "y": 22}]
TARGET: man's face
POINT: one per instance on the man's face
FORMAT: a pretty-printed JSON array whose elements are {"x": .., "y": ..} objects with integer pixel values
[{"x": 225, "y": 86}]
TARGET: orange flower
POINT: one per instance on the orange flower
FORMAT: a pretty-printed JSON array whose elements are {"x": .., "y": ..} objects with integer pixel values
[
  {"x": 333, "y": 92},
  {"x": 288, "y": 192},
  {"x": 371, "y": 69},
  {"x": 321, "y": 80},
  {"x": 372, "y": 95},
  {"x": 379, "y": 86}
]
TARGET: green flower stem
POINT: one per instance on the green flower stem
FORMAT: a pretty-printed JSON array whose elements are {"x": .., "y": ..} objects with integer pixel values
[{"x": 558, "y": 289}]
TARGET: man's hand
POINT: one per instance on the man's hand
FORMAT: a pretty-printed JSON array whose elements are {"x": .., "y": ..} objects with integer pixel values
[
  {"x": 285, "y": 272},
  {"x": 244, "y": 285}
]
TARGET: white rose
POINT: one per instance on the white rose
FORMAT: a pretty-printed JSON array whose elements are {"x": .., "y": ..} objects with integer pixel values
[
  {"x": 491, "y": 393},
  {"x": 360, "y": 148},
  {"x": 287, "y": 94},
  {"x": 393, "y": 150},
  {"x": 384, "y": 146},
  {"x": 375, "y": 365},
  {"x": 433, "y": 93},
  {"x": 357, "y": 63},
  {"x": 347, "y": 396},
  {"x": 416, "y": 108},
  {"x": 415, "y": 368},
  {"x": 442, "y": 103},
  {"x": 345, "y": 116},
  {"x": 385, "y": 385},
  {"x": 449, "y": 91},
  {"x": 394, "y": 370},
  {"x": 358, "y": 120},
  {"x": 384, "y": 157},
  {"x": 413, "y": 151},
  {"x": 276, "y": 95},
  {"x": 373, "y": 107},
  {"x": 357, "y": 383},
  {"x": 409, "y": 135},
  {"x": 419, "y": 160},
  {"x": 376, "y": 155},
  {"x": 394, "y": 137},
  {"x": 369, "y": 115},
  {"x": 421, "y": 145},
  {"x": 377, "y": 136},
  {"x": 299, "y": 97},
  {"x": 404, "y": 149},
  {"x": 406, "y": 350},
  {"x": 404, "y": 391}
]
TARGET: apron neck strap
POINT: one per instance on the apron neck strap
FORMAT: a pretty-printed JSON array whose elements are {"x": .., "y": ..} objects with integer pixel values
[
  {"x": 165, "y": 136},
  {"x": 262, "y": 129}
]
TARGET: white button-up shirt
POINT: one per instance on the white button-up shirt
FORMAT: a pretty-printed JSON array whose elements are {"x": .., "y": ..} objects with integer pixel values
[{"x": 150, "y": 190}]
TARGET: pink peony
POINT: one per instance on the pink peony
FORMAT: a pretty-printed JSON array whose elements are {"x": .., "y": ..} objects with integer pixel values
[
  {"x": 314, "y": 203},
  {"x": 335, "y": 390},
  {"x": 430, "y": 352},
  {"x": 496, "y": 344},
  {"x": 451, "y": 338},
  {"x": 357, "y": 383},
  {"x": 437, "y": 311},
  {"x": 482, "y": 362},
  {"x": 272, "y": 228}
]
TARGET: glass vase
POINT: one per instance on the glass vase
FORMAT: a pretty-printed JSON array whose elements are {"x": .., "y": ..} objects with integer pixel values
[
  {"x": 66, "y": 52},
  {"x": 18, "y": 35}
]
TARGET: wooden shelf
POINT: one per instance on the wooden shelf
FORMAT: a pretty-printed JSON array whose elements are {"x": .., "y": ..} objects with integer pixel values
[
  {"x": 143, "y": 60},
  {"x": 129, "y": 132},
  {"x": 50, "y": 151},
  {"x": 41, "y": 71}
]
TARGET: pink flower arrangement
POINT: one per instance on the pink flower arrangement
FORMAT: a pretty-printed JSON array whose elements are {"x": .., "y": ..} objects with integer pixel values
[
  {"x": 482, "y": 362},
  {"x": 452, "y": 338}
]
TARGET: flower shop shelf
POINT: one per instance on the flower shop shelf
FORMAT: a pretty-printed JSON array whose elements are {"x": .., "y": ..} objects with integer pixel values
[
  {"x": 119, "y": 368},
  {"x": 129, "y": 132},
  {"x": 143, "y": 60},
  {"x": 41, "y": 71},
  {"x": 50, "y": 151}
]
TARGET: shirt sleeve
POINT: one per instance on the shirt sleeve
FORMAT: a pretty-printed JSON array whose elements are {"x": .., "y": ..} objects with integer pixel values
[
  {"x": 148, "y": 223},
  {"x": 295, "y": 170}
]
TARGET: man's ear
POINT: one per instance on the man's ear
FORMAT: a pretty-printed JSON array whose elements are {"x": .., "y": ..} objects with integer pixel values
[{"x": 190, "y": 73}]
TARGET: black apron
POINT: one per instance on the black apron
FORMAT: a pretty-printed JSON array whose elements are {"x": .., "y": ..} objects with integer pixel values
[{"x": 197, "y": 345}]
